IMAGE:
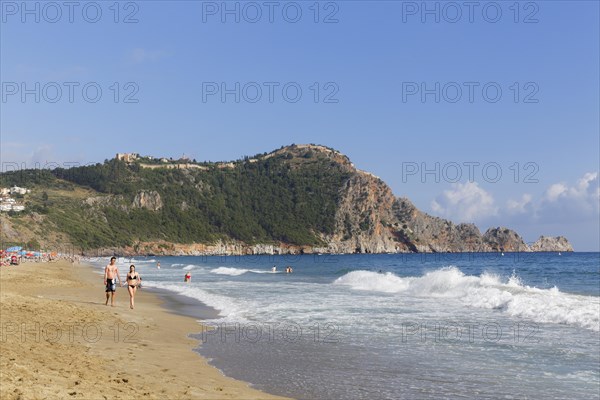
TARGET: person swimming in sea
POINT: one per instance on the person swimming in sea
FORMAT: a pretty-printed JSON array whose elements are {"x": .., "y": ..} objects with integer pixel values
[{"x": 188, "y": 277}]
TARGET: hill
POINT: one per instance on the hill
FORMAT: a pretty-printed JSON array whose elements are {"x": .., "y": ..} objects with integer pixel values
[{"x": 299, "y": 198}]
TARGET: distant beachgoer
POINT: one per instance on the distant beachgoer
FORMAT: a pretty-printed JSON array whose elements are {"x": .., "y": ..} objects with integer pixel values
[
  {"x": 274, "y": 269},
  {"x": 133, "y": 282},
  {"x": 158, "y": 265},
  {"x": 110, "y": 272},
  {"x": 188, "y": 277},
  {"x": 288, "y": 270}
]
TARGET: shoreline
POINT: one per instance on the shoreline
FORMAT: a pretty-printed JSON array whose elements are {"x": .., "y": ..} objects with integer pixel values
[
  {"x": 124, "y": 252},
  {"x": 184, "y": 306},
  {"x": 60, "y": 340}
]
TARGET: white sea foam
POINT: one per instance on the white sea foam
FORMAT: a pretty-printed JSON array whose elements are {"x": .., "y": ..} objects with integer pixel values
[
  {"x": 229, "y": 308},
  {"x": 486, "y": 291},
  {"x": 236, "y": 271},
  {"x": 229, "y": 271},
  {"x": 367, "y": 280},
  {"x": 136, "y": 261},
  {"x": 189, "y": 267}
]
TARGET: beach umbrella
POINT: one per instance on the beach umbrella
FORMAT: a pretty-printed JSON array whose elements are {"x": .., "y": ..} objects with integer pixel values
[{"x": 14, "y": 248}]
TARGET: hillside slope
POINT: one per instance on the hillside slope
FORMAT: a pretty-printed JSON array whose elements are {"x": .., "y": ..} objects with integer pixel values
[{"x": 300, "y": 198}]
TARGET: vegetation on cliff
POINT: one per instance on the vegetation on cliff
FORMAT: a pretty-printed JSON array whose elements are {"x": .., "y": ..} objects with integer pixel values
[{"x": 289, "y": 196}]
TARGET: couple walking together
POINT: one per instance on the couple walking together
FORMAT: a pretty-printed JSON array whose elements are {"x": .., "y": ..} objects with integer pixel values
[{"x": 111, "y": 275}]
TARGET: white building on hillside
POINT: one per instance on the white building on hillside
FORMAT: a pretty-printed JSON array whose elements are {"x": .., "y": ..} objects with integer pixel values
[
  {"x": 19, "y": 190},
  {"x": 10, "y": 205}
]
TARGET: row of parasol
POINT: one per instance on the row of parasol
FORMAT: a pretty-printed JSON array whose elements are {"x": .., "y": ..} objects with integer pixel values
[{"x": 26, "y": 253}]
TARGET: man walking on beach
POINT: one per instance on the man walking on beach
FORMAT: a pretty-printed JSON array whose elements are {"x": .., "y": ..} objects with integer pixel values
[{"x": 110, "y": 282}]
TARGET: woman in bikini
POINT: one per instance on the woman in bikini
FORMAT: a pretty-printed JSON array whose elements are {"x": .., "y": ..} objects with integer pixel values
[{"x": 133, "y": 281}]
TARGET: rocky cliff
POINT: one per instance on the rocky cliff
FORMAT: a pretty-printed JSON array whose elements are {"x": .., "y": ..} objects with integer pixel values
[
  {"x": 371, "y": 220},
  {"x": 504, "y": 239},
  {"x": 363, "y": 217},
  {"x": 150, "y": 200},
  {"x": 547, "y": 243}
]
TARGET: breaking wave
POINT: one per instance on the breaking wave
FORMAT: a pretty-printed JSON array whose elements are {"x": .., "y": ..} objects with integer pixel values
[{"x": 486, "y": 291}]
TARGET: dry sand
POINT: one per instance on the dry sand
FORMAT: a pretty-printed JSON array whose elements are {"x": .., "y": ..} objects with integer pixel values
[{"x": 59, "y": 340}]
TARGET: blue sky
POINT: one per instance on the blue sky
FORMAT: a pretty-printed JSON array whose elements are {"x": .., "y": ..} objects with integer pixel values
[{"x": 371, "y": 68}]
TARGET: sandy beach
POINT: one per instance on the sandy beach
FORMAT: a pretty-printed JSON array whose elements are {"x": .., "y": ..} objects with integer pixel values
[{"x": 59, "y": 340}]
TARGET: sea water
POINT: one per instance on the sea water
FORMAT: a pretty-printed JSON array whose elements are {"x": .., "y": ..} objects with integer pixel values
[{"x": 417, "y": 326}]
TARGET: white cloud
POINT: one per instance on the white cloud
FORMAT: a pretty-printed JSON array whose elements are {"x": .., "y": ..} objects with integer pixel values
[
  {"x": 585, "y": 189},
  {"x": 521, "y": 206},
  {"x": 465, "y": 202},
  {"x": 569, "y": 209},
  {"x": 555, "y": 191},
  {"x": 561, "y": 202}
]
